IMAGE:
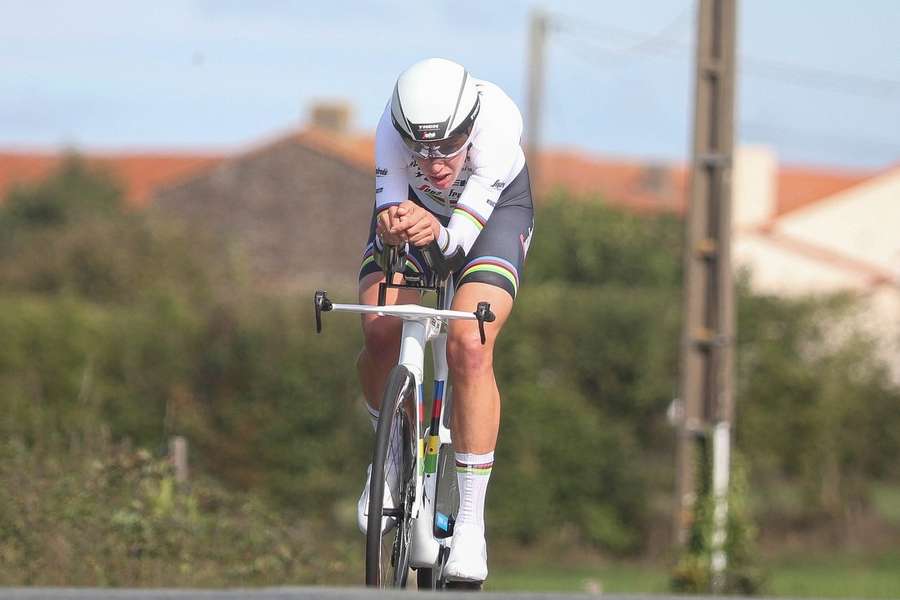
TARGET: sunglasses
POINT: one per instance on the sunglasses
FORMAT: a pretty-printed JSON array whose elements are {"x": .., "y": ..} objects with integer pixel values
[{"x": 446, "y": 148}]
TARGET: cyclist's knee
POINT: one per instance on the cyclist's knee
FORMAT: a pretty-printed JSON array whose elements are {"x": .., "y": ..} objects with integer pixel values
[
  {"x": 382, "y": 336},
  {"x": 466, "y": 356}
]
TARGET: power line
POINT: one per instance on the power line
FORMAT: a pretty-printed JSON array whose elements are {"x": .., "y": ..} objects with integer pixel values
[
  {"x": 662, "y": 44},
  {"x": 798, "y": 138},
  {"x": 817, "y": 139}
]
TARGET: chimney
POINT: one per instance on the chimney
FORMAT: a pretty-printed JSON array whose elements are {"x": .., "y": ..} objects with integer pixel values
[
  {"x": 656, "y": 180},
  {"x": 754, "y": 187},
  {"x": 331, "y": 116}
]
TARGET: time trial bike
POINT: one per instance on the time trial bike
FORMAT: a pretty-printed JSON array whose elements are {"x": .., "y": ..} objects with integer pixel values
[{"x": 417, "y": 460}]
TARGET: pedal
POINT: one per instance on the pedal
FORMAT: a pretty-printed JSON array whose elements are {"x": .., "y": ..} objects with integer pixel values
[{"x": 465, "y": 586}]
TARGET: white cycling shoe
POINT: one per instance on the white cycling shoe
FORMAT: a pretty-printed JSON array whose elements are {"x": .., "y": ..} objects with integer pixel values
[
  {"x": 391, "y": 493},
  {"x": 468, "y": 555}
]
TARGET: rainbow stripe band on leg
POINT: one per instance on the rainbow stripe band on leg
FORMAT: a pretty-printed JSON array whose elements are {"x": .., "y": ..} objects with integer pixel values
[
  {"x": 495, "y": 265},
  {"x": 474, "y": 469}
]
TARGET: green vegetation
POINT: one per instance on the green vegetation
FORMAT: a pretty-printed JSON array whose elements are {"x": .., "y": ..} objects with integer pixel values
[
  {"x": 121, "y": 329},
  {"x": 823, "y": 576},
  {"x": 107, "y": 515}
]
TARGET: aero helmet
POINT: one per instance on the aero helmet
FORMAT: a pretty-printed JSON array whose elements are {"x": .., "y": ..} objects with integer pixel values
[{"x": 434, "y": 108}]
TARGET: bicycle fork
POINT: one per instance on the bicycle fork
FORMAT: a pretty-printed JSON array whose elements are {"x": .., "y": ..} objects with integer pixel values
[{"x": 425, "y": 548}]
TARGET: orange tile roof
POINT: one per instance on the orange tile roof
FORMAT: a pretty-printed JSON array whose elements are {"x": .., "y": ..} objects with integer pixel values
[
  {"x": 357, "y": 149},
  {"x": 637, "y": 184},
  {"x": 140, "y": 173},
  {"x": 801, "y": 186}
]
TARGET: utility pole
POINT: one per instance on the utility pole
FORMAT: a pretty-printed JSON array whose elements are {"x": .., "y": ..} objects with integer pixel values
[
  {"x": 707, "y": 345},
  {"x": 536, "y": 42}
]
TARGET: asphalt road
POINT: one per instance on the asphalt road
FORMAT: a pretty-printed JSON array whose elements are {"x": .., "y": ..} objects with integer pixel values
[{"x": 298, "y": 593}]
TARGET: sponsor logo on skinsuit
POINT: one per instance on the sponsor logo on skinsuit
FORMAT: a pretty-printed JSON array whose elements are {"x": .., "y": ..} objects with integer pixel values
[
  {"x": 432, "y": 193},
  {"x": 380, "y": 172},
  {"x": 525, "y": 239},
  {"x": 498, "y": 185}
]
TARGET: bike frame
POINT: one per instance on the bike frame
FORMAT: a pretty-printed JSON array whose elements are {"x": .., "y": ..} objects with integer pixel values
[{"x": 422, "y": 325}]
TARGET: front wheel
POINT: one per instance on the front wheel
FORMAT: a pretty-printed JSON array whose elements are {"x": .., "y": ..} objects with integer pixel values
[{"x": 393, "y": 464}]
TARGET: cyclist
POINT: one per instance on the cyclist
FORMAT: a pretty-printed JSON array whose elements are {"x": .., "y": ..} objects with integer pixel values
[{"x": 449, "y": 167}]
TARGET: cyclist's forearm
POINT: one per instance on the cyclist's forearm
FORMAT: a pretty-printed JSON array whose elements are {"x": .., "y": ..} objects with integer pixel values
[{"x": 461, "y": 231}]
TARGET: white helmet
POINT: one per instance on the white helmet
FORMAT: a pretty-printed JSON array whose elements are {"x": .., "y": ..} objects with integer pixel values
[{"x": 434, "y": 108}]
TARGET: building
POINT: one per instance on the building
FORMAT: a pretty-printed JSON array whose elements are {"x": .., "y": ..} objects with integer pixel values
[{"x": 808, "y": 234}]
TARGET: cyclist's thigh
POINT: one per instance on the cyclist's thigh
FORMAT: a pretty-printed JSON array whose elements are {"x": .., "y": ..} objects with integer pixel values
[
  {"x": 498, "y": 256},
  {"x": 368, "y": 292}
]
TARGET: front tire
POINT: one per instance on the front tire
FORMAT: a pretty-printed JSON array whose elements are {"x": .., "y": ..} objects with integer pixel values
[{"x": 387, "y": 556}]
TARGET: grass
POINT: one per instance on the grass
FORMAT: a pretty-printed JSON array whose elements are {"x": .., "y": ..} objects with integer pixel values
[
  {"x": 824, "y": 577},
  {"x": 837, "y": 577},
  {"x": 886, "y": 499}
]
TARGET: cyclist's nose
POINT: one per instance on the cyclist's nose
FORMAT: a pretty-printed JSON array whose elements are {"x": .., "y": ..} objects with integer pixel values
[{"x": 433, "y": 166}]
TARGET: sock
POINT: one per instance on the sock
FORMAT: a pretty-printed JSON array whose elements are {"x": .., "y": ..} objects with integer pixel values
[{"x": 473, "y": 471}]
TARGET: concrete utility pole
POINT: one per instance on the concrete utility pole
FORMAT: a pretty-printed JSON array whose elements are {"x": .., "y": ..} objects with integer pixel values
[
  {"x": 536, "y": 42},
  {"x": 707, "y": 346}
]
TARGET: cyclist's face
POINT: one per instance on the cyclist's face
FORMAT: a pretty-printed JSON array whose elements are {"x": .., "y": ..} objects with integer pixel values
[{"x": 442, "y": 172}]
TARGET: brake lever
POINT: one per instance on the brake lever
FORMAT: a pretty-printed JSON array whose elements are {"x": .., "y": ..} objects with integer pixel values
[
  {"x": 322, "y": 304},
  {"x": 484, "y": 315}
]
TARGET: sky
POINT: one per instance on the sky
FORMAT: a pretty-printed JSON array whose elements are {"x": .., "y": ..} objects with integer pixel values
[{"x": 819, "y": 80}]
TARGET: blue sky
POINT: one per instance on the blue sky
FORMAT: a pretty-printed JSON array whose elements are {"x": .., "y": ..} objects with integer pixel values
[{"x": 820, "y": 81}]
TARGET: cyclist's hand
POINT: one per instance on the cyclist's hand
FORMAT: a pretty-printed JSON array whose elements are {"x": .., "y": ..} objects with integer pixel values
[
  {"x": 385, "y": 223},
  {"x": 418, "y": 225}
]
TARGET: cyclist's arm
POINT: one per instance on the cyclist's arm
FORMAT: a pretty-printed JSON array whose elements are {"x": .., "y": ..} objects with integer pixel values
[
  {"x": 391, "y": 187},
  {"x": 495, "y": 162},
  {"x": 496, "y": 159}
]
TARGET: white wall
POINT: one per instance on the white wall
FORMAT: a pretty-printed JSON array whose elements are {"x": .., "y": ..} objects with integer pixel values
[
  {"x": 862, "y": 222},
  {"x": 777, "y": 270},
  {"x": 754, "y": 186}
]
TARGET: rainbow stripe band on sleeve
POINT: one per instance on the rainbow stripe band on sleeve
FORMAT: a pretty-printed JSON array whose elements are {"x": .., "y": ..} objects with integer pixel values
[
  {"x": 475, "y": 469},
  {"x": 493, "y": 264},
  {"x": 471, "y": 215}
]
